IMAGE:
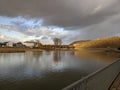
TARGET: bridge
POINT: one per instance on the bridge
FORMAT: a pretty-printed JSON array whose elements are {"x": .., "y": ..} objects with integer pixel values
[{"x": 103, "y": 79}]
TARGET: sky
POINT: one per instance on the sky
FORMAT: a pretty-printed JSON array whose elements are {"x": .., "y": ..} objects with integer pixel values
[{"x": 69, "y": 20}]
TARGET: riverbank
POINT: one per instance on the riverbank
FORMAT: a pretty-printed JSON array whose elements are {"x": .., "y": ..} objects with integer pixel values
[
  {"x": 99, "y": 49},
  {"x": 16, "y": 50}
]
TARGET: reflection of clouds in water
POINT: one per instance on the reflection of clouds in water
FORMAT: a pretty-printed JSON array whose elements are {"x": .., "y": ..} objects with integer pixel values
[
  {"x": 37, "y": 64},
  {"x": 11, "y": 60},
  {"x": 48, "y": 61}
]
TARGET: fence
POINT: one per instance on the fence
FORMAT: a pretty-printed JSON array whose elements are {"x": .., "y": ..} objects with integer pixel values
[{"x": 100, "y": 80}]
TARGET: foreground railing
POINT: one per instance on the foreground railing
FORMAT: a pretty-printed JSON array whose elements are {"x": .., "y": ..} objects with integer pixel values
[{"x": 100, "y": 80}]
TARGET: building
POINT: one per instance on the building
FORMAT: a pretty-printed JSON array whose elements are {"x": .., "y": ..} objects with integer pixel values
[
  {"x": 6, "y": 44},
  {"x": 19, "y": 45},
  {"x": 31, "y": 44},
  {"x": 9, "y": 44}
]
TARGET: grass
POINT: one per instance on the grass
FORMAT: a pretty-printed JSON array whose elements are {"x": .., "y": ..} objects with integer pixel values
[
  {"x": 109, "y": 42},
  {"x": 15, "y": 50}
]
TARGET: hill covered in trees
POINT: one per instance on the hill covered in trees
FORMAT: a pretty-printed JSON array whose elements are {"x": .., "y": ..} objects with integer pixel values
[{"x": 107, "y": 42}]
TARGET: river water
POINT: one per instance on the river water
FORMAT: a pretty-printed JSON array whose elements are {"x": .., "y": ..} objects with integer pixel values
[{"x": 49, "y": 70}]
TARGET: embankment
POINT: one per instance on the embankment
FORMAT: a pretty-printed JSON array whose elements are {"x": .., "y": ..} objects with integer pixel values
[{"x": 15, "y": 50}]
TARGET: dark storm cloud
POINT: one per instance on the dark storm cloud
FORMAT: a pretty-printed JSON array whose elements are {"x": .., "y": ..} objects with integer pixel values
[
  {"x": 69, "y": 14},
  {"x": 44, "y": 37}
]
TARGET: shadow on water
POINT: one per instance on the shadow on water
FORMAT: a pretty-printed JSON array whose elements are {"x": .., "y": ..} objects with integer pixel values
[{"x": 49, "y": 70}]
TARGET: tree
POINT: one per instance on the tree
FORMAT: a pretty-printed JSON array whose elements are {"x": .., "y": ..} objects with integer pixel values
[{"x": 57, "y": 42}]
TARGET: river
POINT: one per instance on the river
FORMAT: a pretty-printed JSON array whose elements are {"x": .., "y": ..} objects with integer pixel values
[{"x": 49, "y": 70}]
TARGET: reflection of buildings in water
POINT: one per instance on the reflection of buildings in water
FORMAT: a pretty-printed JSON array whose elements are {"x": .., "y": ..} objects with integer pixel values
[
  {"x": 47, "y": 52},
  {"x": 72, "y": 53},
  {"x": 57, "y": 56},
  {"x": 37, "y": 55},
  {"x": 29, "y": 55},
  {"x": 11, "y": 59},
  {"x": 48, "y": 60},
  {"x": 98, "y": 56}
]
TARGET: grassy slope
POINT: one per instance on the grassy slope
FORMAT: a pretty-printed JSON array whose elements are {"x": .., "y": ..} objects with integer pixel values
[
  {"x": 113, "y": 42},
  {"x": 81, "y": 41},
  {"x": 13, "y": 50}
]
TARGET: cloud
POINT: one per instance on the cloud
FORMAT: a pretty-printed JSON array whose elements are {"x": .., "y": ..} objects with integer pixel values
[
  {"x": 97, "y": 9},
  {"x": 44, "y": 37},
  {"x": 62, "y": 13},
  {"x": 110, "y": 27},
  {"x": 4, "y": 38},
  {"x": 30, "y": 29},
  {"x": 8, "y": 27},
  {"x": 66, "y": 19}
]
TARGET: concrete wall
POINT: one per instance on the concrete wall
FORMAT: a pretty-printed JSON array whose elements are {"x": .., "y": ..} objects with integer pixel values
[{"x": 100, "y": 80}]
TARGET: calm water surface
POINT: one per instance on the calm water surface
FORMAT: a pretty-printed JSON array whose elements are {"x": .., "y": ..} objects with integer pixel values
[{"x": 48, "y": 70}]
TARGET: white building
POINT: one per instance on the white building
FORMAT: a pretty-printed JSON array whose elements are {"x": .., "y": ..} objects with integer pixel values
[
  {"x": 9, "y": 44},
  {"x": 31, "y": 44}
]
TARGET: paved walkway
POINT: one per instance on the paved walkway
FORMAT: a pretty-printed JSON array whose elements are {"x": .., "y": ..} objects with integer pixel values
[{"x": 116, "y": 84}]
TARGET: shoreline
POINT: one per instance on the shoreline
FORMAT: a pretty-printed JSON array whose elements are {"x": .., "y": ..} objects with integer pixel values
[
  {"x": 99, "y": 49},
  {"x": 17, "y": 50}
]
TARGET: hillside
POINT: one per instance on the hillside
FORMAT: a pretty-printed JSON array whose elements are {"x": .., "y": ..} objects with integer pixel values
[
  {"x": 109, "y": 42},
  {"x": 81, "y": 41}
]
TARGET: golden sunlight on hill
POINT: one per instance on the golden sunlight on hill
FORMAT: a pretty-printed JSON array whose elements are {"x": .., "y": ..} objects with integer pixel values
[{"x": 109, "y": 42}]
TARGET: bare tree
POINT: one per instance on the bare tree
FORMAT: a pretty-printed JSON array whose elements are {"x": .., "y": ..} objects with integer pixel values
[
  {"x": 60, "y": 41},
  {"x": 57, "y": 42}
]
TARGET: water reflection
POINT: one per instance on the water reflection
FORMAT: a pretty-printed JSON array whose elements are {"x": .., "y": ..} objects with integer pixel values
[
  {"x": 105, "y": 57},
  {"x": 29, "y": 55},
  {"x": 50, "y": 68},
  {"x": 56, "y": 56}
]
